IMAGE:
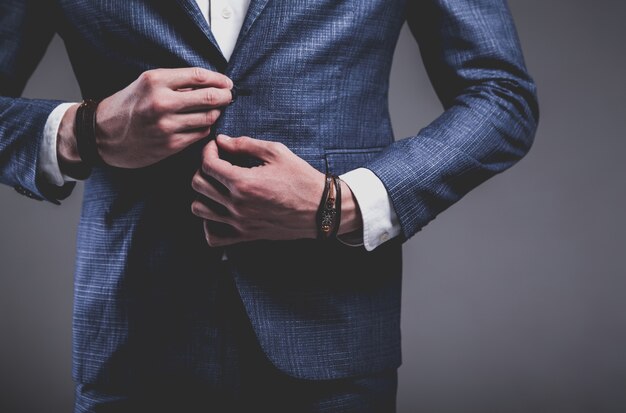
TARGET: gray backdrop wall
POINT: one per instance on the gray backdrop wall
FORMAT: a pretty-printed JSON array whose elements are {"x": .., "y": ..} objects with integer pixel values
[{"x": 514, "y": 299}]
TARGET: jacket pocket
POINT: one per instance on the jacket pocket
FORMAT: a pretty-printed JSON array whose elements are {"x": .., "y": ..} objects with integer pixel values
[{"x": 339, "y": 161}]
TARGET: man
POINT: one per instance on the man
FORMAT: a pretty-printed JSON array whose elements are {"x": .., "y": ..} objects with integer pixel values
[{"x": 237, "y": 110}]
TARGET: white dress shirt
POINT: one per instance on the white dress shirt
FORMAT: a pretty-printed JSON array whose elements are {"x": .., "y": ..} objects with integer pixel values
[{"x": 380, "y": 222}]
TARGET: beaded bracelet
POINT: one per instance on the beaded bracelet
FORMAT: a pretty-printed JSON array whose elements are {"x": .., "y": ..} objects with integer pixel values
[{"x": 329, "y": 211}]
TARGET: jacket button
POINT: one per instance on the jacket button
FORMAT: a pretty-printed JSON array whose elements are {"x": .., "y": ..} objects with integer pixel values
[
  {"x": 237, "y": 91},
  {"x": 23, "y": 191}
]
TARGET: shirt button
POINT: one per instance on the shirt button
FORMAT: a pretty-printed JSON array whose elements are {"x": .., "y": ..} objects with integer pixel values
[
  {"x": 384, "y": 237},
  {"x": 227, "y": 12}
]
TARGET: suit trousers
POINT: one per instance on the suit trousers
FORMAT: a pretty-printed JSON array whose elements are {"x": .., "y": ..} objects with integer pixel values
[{"x": 240, "y": 377}]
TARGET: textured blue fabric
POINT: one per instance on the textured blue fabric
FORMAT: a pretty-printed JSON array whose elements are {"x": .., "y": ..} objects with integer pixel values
[
  {"x": 241, "y": 378},
  {"x": 24, "y": 35},
  {"x": 317, "y": 76}
]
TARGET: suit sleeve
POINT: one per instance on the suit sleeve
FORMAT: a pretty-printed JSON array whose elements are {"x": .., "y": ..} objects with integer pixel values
[
  {"x": 474, "y": 60},
  {"x": 26, "y": 28}
]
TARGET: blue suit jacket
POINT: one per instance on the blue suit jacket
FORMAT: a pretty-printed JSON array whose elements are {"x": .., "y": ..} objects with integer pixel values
[{"x": 317, "y": 77}]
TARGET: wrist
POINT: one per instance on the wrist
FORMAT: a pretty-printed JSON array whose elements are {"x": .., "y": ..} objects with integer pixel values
[{"x": 104, "y": 144}]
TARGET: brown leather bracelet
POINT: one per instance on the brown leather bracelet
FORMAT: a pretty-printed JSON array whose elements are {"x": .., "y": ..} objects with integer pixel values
[
  {"x": 321, "y": 217},
  {"x": 329, "y": 211},
  {"x": 85, "y": 132},
  {"x": 337, "y": 206}
]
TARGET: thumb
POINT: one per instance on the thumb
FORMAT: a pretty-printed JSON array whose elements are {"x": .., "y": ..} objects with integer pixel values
[{"x": 245, "y": 145}]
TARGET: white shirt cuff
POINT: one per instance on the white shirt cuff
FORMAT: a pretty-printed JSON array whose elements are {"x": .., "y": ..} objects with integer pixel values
[
  {"x": 48, "y": 165},
  {"x": 380, "y": 222}
]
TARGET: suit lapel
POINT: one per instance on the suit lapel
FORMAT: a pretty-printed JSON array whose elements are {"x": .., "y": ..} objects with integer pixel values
[
  {"x": 255, "y": 8},
  {"x": 190, "y": 7}
]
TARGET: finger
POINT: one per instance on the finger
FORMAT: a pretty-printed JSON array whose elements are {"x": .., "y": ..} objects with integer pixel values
[
  {"x": 210, "y": 188},
  {"x": 197, "y": 120},
  {"x": 200, "y": 99},
  {"x": 195, "y": 77},
  {"x": 176, "y": 142},
  {"x": 218, "y": 234},
  {"x": 225, "y": 172},
  {"x": 244, "y": 145},
  {"x": 181, "y": 140},
  {"x": 201, "y": 209}
]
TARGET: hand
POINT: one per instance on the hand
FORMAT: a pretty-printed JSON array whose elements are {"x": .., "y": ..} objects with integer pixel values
[
  {"x": 277, "y": 200},
  {"x": 156, "y": 116}
]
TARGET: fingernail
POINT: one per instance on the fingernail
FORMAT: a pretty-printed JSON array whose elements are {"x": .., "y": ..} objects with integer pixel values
[
  {"x": 232, "y": 84},
  {"x": 223, "y": 137}
]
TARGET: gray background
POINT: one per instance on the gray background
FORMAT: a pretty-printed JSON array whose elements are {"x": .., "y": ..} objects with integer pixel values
[{"x": 513, "y": 299}]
